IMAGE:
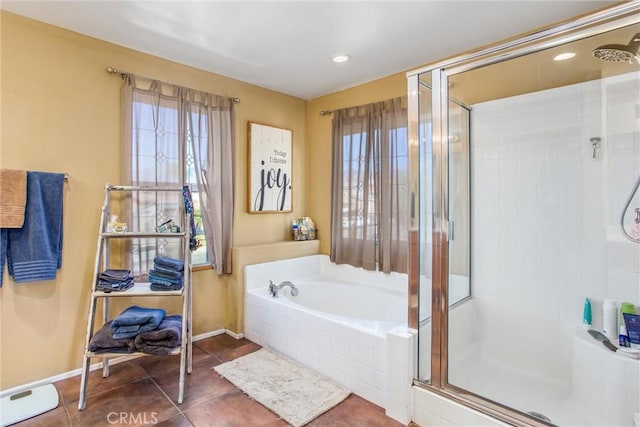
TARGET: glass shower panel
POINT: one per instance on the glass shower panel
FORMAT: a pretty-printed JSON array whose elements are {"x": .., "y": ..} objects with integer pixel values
[{"x": 425, "y": 226}]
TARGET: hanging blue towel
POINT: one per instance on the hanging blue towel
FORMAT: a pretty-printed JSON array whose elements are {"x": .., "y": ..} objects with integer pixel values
[
  {"x": 34, "y": 252},
  {"x": 4, "y": 241},
  {"x": 135, "y": 320}
]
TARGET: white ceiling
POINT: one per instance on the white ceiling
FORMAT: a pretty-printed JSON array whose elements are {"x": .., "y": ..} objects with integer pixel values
[{"x": 287, "y": 45}]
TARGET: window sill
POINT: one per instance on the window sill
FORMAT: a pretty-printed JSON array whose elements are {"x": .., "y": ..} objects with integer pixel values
[{"x": 202, "y": 267}]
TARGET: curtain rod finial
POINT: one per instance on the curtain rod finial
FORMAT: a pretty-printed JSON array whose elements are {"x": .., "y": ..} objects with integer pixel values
[{"x": 112, "y": 70}]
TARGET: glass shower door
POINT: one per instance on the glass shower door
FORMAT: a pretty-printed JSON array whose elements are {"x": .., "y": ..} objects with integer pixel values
[{"x": 524, "y": 220}]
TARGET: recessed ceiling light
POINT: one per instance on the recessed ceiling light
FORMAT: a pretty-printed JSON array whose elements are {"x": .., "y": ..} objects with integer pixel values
[
  {"x": 563, "y": 56},
  {"x": 343, "y": 57}
]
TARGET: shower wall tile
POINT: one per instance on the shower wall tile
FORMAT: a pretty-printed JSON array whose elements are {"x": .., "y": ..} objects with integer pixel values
[{"x": 545, "y": 213}]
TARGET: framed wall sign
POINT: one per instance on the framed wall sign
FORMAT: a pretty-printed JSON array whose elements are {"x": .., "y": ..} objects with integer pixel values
[{"x": 270, "y": 175}]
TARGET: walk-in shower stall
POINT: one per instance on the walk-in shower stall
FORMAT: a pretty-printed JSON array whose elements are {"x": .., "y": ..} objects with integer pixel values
[{"x": 525, "y": 171}]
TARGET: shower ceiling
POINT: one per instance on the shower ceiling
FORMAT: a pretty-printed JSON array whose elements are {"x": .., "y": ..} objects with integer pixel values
[{"x": 538, "y": 71}]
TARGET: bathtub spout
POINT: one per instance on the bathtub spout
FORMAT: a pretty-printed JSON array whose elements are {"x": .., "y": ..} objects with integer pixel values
[{"x": 273, "y": 289}]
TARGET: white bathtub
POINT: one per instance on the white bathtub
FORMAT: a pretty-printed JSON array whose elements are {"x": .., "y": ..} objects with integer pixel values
[
  {"x": 367, "y": 307},
  {"x": 346, "y": 322}
]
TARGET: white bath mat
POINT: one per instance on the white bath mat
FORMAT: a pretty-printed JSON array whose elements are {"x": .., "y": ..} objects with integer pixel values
[{"x": 295, "y": 393}]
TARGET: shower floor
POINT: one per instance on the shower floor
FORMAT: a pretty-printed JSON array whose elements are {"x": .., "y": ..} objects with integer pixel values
[{"x": 518, "y": 390}]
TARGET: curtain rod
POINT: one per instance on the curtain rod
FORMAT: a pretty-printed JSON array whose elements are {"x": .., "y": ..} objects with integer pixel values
[
  {"x": 123, "y": 74},
  {"x": 330, "y": 112}
]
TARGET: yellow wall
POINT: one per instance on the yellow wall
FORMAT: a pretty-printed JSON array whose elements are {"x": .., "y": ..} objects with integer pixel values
[{"x": 60, "y": 111}]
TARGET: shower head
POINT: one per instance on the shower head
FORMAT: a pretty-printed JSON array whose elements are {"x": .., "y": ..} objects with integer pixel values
[{"x": 620, "y": 52}]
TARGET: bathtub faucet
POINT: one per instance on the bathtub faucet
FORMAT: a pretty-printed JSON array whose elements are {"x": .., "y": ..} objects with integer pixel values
[{"x": 273, "y": 289}]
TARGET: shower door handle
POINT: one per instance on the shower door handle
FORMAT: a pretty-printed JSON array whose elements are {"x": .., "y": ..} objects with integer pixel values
[{"x": 451, "y": 229}]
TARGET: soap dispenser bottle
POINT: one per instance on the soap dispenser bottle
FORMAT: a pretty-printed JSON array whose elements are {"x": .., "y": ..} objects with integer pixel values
[
  {"x": 610, "y": 319},
  {"x": 586, "y": 313}
]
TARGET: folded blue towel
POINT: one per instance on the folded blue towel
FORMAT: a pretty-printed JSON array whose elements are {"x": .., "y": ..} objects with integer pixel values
[
  {"x": 34, "y": 252},
  {"x": 161, "y": 341},
  {"x": 171, "y": 263},
  {"x": 135, "y": 320},
  {"x": 161, "y": 271},
  {"x": 153, "y": 278},
  {"x": 163, "y": 287},
  {"x": 114, "y": 275},
  {"x": 114, "y": 286}
]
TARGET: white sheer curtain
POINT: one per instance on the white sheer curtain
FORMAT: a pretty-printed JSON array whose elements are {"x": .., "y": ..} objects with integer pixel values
[
  {"x": 175, "y": 136},
  {"x": 369, "y": 186},
  {"x": 211, "y": 133}
]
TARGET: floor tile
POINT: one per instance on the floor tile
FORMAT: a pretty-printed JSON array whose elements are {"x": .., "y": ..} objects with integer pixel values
[
  {"x": 227, "y": 348},
  {"x": 201, "y": 385},
  {"x": 55, "y": 417},
  {"x": 218, "y": 342},
  {"x": 177, "y": 421},
  {"x": 119, "y": 374},
  {"x": 234, "y": 353},
  {"x": 354, "y": 411},
  {"x": 143, "y": 391},
  {"x": 141, "y": 402},
  {"x": 233, "y": 409}
]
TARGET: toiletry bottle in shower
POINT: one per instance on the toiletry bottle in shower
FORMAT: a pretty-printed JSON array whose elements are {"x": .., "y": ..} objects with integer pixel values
[
  {"x": 610, "y": 319},
  {"x": 586, "y": 313},
  {"x": 623, "y": 336}
]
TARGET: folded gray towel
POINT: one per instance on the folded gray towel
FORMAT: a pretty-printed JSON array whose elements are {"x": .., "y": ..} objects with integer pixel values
[
  {"x": 103, "y": 342},
  {"x": 164, "y": 339}
]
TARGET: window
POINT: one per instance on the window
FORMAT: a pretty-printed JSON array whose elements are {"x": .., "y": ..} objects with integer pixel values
[
  {"x": 370, "y": 200},
  {"x": 356, "y": 186},
  {"x": 158, "y": 160},
  {"x": 176, "y": 135}
]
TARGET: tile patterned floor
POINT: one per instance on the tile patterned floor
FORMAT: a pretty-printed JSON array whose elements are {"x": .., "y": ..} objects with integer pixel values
[{"x": 143, "y": 392}]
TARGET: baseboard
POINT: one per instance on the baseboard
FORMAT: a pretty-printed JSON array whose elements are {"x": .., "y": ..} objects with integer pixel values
[
  {"x": 96, "y": 366},
  {"x": 234, "y": 334}
]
